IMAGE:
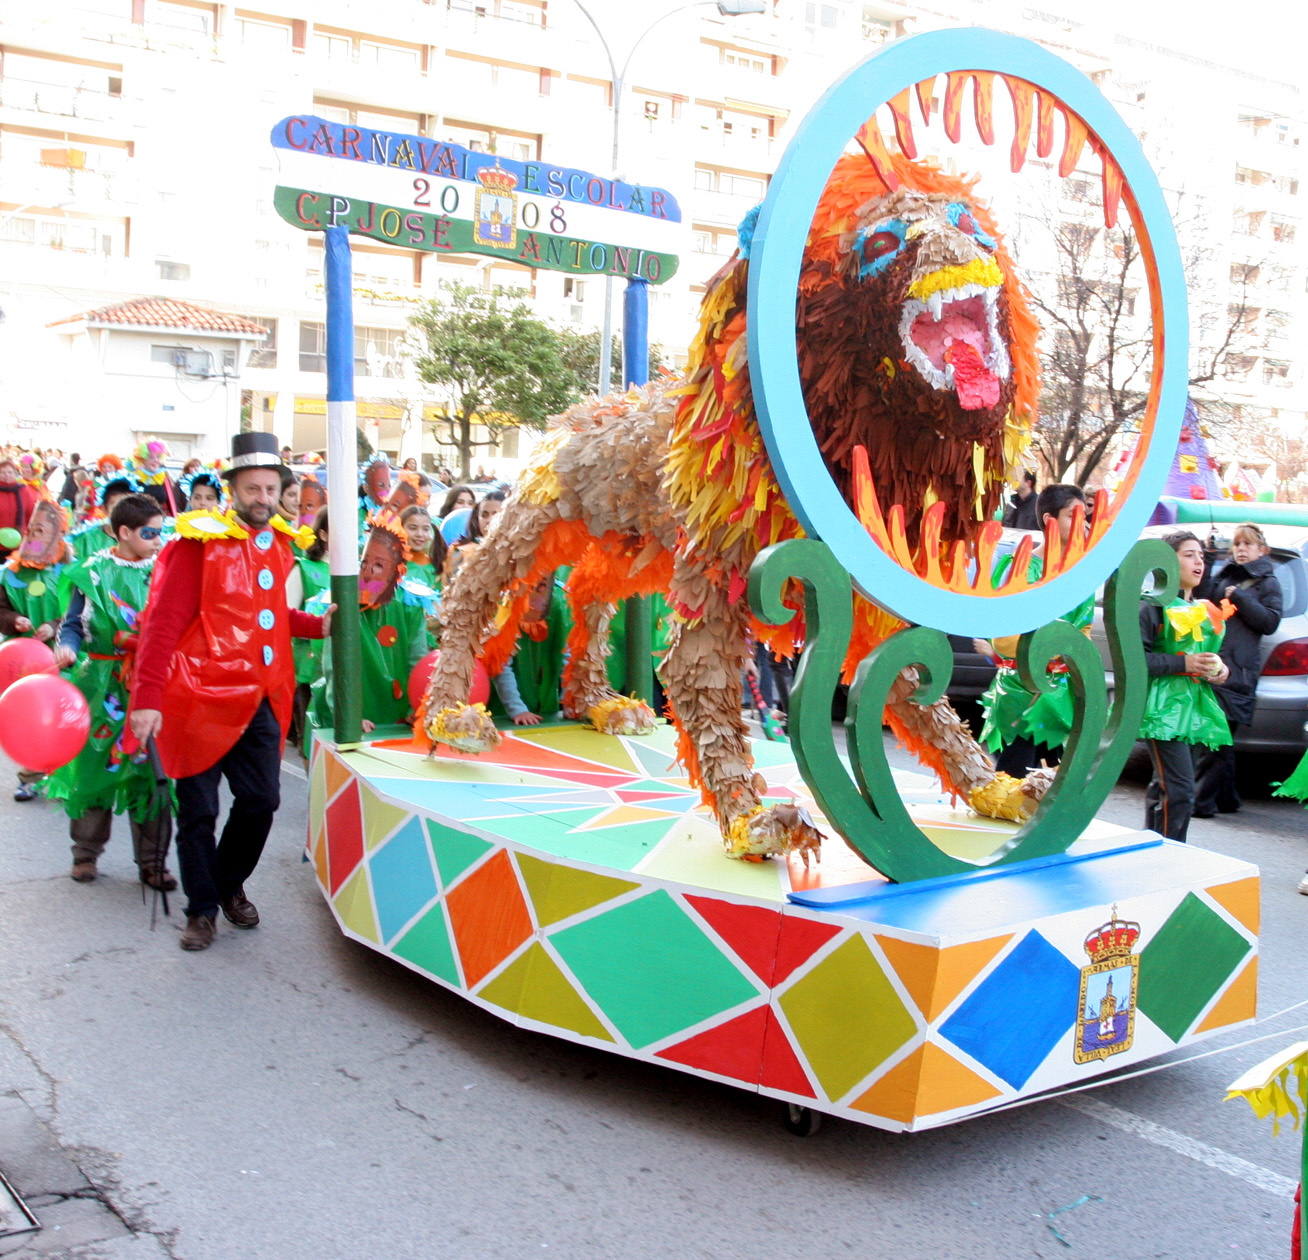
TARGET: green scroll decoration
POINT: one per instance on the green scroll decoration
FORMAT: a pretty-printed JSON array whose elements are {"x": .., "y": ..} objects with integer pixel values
[{"x": 866, "y": 808}]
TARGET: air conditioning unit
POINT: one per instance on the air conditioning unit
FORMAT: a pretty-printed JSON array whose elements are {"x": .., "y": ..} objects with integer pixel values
[{"x": 193, "y": 362}]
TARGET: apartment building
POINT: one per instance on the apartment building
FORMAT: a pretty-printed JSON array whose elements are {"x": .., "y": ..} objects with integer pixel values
[{"x": 135, "y": 161}]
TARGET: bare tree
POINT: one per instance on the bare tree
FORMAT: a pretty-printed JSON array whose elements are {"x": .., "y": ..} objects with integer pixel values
[{"x": 1099, "y": 347}]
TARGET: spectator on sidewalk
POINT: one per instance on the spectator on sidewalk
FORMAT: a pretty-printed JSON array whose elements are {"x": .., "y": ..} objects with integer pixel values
[{"x": 1248, "y": 580}]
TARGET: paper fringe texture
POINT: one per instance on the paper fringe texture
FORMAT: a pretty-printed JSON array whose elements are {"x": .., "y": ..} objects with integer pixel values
[{"x": 670, "y": 488}]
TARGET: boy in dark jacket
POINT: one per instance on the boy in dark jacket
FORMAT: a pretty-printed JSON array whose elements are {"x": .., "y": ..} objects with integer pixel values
[{"x": 1249, "y": 581}]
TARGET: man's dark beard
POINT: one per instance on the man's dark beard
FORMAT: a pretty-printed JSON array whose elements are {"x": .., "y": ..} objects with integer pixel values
[{"x": 245, "y": 513}]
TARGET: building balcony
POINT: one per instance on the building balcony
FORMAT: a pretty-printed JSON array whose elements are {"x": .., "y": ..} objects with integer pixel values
[
  {"x": 82, "y": 191},
  {"x": 506, "y": 38},
  {"x": 26, "y": 102}
]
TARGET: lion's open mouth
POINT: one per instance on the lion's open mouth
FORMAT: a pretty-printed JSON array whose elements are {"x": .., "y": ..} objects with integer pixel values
[{"x": 953, "y": 341}]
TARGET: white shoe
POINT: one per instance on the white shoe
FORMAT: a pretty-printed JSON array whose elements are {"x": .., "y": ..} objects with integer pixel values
[{"x": 1303, "y": 885}]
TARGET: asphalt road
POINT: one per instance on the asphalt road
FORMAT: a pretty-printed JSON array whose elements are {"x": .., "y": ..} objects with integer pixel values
[{"x": 291, "y": 1094}]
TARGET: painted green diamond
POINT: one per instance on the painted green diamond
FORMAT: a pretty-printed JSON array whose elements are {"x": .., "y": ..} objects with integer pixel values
[
  {"x": 651, "y": 970},
  {"x": 1189, "y": 959}
]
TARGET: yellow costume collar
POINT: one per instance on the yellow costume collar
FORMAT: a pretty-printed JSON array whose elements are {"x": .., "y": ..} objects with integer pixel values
[{"x": 207, "y": 525}]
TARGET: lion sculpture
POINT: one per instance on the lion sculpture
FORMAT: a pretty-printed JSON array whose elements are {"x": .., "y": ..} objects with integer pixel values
[{"x": 917, "y": 359}]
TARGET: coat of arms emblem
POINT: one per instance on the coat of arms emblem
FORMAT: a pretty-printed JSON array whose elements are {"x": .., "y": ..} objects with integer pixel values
[
  {"x": 1105, "y": 1023},
  {"x": 496, "y": 216}
]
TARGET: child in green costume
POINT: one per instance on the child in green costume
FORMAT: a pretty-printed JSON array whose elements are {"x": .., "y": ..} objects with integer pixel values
[
  {"x": 392, "y": 631},
  {"x": 108, "y": 592},
  {"x": 96, "y": 536},
  {"x": 33, "y": 596},
  {"x": 1182, "y": 713},
  {"x": 1022, "y": 726},
  {"x": 315, "y": 584}
]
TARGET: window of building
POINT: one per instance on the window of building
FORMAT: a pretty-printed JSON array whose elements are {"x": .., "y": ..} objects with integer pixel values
[
  {"x": 169, "y": 270},
  {"x": 1283, "y": 230},
  {"x": 1277, "y": 373},
  {"x": 1236, "y": 367},
  {"x": 738, "y": 60},
  {"x": 263, "y": 36},
  {"x": 390, "y": 57},
  {"x": 168, "y": 354},
  {"x": 377, "y": 351},
  {"x": 1250, "y": 224},
  {"x": 197, "y": 19},
  {"x": 733, "y": 183},
  {"x": 1243, "y": 318},
  {"x": 1245, "y": 273},
  {"x": 332, "y": 47},
  {"x": 313, "y": 347},
  {"x": 1080, "y": 236},
  {"x": 264, "y": 354},
  {"x": 821, "y": 15}
]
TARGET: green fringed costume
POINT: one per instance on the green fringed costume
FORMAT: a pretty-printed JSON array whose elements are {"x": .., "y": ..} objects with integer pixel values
[
  {"x": 538, "y": 664},
  {"x": 1178, "y": 706},
  {"x": 1011, "y": 711},
  {"x": 1296, "y": 786},
  {"x": 89, "y": 541},
  {"x": 100, "y": 776},
  {"x": 308, "y": 653},
  {"x": 40, "y": 595},
  {"x": 393, "y": 639}
]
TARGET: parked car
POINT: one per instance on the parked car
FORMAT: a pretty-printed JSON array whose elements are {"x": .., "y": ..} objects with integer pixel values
[{"x": 1280, "y": 723}]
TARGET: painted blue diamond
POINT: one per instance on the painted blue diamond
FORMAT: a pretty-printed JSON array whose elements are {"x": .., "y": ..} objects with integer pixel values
[
  {"x": 402, "y": 878},
  {"x": 1019, "y": 1011}
]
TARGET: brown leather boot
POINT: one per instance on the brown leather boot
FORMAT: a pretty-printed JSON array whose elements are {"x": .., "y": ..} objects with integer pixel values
[
  {"x": 159, "y": 877},
  {"x": 199, "y": 932},
  {"x": 239, "y": 910},
  {"x": 83, "y": 872}
]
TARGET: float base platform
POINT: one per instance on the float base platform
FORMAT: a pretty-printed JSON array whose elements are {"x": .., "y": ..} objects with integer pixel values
[{"x": 570, "y": 883}]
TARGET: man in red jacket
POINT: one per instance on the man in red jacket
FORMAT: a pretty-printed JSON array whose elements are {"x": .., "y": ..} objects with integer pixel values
[{"x": 214, "y": 681}]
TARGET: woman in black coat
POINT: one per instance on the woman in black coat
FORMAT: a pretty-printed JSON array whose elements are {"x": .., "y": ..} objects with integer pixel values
[{"x": 1249, "y": 581}]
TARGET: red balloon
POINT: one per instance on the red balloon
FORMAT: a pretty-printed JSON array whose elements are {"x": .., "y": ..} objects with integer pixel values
[
  {"x": 44, "y": 721},
  {"x": 20, "y": 657},
  {"x": 420, "y": 678},
  {"x": 479, "y": 692}
]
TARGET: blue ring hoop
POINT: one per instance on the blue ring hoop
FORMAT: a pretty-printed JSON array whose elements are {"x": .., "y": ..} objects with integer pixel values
[{"x": 776, "y": 255}]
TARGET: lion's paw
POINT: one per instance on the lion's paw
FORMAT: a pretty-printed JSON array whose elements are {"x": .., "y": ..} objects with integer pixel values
[
  {"x": 466, "y": 728},
  {"x": 773, "y": 829},
  {"x": 622, "y": 715},
  {"x": 1010, "y": 798}
]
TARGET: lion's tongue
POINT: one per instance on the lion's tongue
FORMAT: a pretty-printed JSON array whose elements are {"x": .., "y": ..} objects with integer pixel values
[{"x": 975, "y": 384}]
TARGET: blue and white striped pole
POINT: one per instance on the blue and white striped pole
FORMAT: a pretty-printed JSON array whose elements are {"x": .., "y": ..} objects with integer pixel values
[
  {"x": 342, "y": 491},
  {"x": 635, "y": 370}
]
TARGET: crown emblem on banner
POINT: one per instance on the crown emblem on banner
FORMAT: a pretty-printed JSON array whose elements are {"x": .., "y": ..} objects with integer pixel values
[
  {"x": 1114, "y": 939},
  {"x": 497, "y": 180}
]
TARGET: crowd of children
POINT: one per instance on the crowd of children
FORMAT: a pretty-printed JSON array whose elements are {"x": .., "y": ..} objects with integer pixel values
[{"x": 77, "y": 567}]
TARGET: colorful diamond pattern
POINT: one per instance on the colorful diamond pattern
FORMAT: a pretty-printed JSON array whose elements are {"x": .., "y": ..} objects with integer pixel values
[
  {"x": 1189, "y": 959},
  {"x": 846, "y": 1016},
  {"x": 1018, "y": 1012},
  {"x": 489, "y": 917},
  {"x": 344, "y": 836},
  {"x": 402, "y": 878},
  {"x": 427, "y": 945},
  {"x": 683, "y": 976},
  {"x": 534, "y": 935}
]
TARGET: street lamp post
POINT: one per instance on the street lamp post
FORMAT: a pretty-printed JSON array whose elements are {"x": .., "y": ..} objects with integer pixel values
[{"x": 727, "y": 8}]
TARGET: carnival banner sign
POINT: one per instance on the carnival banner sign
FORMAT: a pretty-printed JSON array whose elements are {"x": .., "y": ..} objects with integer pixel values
[{"x": 440, "y": 197}]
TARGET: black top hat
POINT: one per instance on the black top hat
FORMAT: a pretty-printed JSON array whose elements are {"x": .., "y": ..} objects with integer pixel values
[{"x": 253, "y": 450}]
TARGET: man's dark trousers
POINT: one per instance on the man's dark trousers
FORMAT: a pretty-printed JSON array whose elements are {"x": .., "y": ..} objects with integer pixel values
[{"x": 252, "y": 766}]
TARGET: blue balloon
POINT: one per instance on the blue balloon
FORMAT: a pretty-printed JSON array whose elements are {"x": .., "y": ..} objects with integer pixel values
[{"x": 454, "y": 526}]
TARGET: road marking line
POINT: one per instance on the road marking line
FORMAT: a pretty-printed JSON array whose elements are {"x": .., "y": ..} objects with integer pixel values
[{"x": 1214, "y": 1157}]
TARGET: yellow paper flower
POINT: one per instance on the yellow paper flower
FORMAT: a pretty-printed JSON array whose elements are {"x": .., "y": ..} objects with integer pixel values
[
  {"x": 1277, "y": 1087},
  {"x": 1189, "y": 621}
]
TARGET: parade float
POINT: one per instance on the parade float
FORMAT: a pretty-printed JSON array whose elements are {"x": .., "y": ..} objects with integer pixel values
[{"x": 902, "y": 949}]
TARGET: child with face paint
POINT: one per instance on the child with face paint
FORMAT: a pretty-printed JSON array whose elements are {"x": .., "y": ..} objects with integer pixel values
[
  {"x": 392, "y": 631},
  {"x": 33, "y": 598},
  {"x": 100, "y": 629},
  {"x": 97, "y": 535}
]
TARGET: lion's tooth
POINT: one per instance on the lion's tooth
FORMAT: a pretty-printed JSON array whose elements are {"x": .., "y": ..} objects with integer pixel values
[{"x": 936, "y": 302}]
